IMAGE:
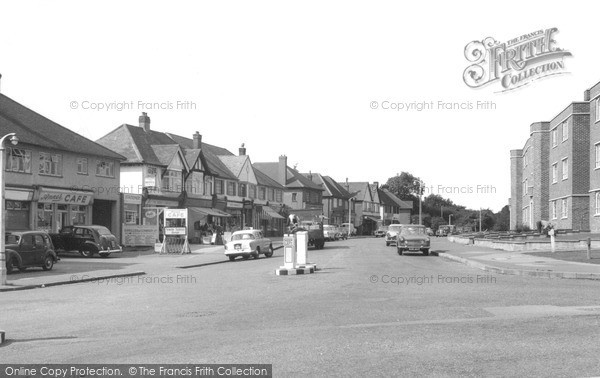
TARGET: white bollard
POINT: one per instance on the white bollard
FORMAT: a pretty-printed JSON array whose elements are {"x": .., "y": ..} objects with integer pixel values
[{"x": 302, "y": 247}]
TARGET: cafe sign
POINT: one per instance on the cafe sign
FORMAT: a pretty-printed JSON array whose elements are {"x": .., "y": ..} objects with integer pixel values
[{"x": 68, "y": 198}]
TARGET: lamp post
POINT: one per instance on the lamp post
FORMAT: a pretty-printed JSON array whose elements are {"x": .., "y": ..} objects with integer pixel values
[
  {"x": 350, "y": 216},
  {"x": 450, "y": 219},
  {"x": 420, "y": 191},
  {"x": 14, "y": 140}
]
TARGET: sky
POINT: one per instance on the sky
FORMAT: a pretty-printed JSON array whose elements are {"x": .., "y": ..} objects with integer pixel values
[{"x": 301, "y": 79}]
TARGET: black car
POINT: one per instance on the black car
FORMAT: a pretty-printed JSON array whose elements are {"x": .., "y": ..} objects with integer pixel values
[
  {"x": 29, "y": 249},
  {"x": 87, "y": 240}
]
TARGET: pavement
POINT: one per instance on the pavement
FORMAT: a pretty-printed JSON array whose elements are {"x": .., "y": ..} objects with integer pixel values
[
  {"x": 73, "y": 268},
  {"x": 515, "y": 263}
]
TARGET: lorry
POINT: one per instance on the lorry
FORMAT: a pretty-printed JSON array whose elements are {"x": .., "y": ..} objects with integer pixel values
[{"x": 316, "y": 237}]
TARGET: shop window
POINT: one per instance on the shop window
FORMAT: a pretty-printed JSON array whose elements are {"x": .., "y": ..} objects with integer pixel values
[
  {"x": 132, "y": 213},
  {"x": 50, "y": 164},
  {"x": 18, "y": 160},
  {"x": 78, "y": 214},
  {"x": 82, "y": 166},
  {"x": 105, "y": 168},
  {"x": 17, "y": 215}
]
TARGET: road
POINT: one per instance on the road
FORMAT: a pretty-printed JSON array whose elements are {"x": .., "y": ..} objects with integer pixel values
[{"x": 366, "y": 312}]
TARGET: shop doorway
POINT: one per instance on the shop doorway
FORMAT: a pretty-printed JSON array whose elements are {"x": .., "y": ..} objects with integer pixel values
[{"x": 102, "y": 213}]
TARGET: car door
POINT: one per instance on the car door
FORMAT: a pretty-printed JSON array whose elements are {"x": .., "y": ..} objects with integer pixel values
[
  {"x": 39, "y": 249},
  {"x": 264, "y": 245},
  {"x": 26, "y": 249}
]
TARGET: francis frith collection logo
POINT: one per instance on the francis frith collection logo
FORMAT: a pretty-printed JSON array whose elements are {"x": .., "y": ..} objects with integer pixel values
[{"x": 515, "y": 63}]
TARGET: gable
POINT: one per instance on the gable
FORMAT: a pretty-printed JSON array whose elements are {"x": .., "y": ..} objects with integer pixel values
[{"x": 247, "y": 173}]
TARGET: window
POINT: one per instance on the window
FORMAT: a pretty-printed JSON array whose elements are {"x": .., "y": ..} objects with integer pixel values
[
  {"x": 45, "y": 215},
  {"x": 231, "y": 188},
  {"x": 171, "y": 181},
  {"x": 105, "y": 168},
  {"x": 131, "y": 213},
  {"x": 78, "y": 214},
  {"x": 18, "y": 160},
  {"x": 294, "y": 197},
  {"x": 262, "y": 193},
  {"x": 219, "y": 187},
  {"x": 50, "y": 164},
  {"x": 242, "y": 190},
  {"x": 597, "y": 206},
  {"x": 82, "y": 166},
  {"x": 597, "y": 147},
  {"x": 555, "y": 137},
  {"x": 565, "y": 168},
  {"x": 565, "y": 208},
  {"x": 208, "y": 186},
  {"x": 553, "y": 209},
  {"x": 554, "y": 173},
  {"x": 196, "y": 183},
  {"x": 252, "y": 191},
  {"x": 598, "y": 109},
  {"x": 271, "y": 193},
  {"x": 279, "y": 195},
  {"x": 525, "y": 187},
  {"x": 525, "y": 215},
  {"x": 565, "y": 131}
]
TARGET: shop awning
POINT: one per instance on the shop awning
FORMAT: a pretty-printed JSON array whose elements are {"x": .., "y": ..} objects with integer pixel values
[
  {"x": 209, "y": 211},
  {"x": 372, "y": 218},
  {"x": 272, "y": 213}
]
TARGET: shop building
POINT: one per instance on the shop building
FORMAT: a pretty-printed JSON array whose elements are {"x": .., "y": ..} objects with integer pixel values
[
  {"x": 334, "y": 196},
  {"x": 56, "y": 177},
  {"x": 366, "y": 205}
]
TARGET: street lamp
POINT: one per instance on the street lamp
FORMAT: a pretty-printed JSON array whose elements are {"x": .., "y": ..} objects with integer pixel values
[
  {"x": 420, "y": 191},
  {"x": 350, "y": 216},
  {"x": 14, "y": 140}
]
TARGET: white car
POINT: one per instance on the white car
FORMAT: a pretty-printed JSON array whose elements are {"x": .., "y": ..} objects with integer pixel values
[
  {"x": 331, "y": 233},
  {"x": 392, "y": 233},
  {"x": 248, "y": 243}
]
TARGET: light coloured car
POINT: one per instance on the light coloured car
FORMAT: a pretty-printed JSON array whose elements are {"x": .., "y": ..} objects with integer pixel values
[
  {"x": 392, "y": 232},
  {"x": 380, "y": 232},
  {"x": 413, "y": 238},
  {"x": 330, "y": 232},
  {"x": 248, "y": 243}
]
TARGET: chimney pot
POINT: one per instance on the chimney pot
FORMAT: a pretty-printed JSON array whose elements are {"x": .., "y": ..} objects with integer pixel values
[
  {"x": 282, "y": 170},
  {"x": 145, "y": 121}
]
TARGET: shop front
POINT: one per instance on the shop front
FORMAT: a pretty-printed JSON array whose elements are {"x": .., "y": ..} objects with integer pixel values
[
  {"x": 56, "y": 208},
  {"x": 271, "y": 222},
  {"x": 206, "y": 224},
  {"x": 18, "y": 207}
]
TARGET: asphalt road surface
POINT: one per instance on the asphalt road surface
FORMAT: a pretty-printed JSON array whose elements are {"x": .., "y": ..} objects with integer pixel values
[{"x": 366, "y": 312}]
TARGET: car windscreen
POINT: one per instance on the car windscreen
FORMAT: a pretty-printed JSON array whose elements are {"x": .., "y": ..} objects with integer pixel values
[
  {"x": 394, "y": 228},
  {"x": 242, "y": 237},
  {"x": 413, "y": 231},
  {"x": 103, "y": 231}
]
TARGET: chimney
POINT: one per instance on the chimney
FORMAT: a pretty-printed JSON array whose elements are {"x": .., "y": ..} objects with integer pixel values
[
  {"x": 197, "y": 143},
  {"x": 310, "y": 175},
  {"x": 145, "y": 121},
  {"x": 282, "y": 170},
  {"x": 242, "y": 150}
]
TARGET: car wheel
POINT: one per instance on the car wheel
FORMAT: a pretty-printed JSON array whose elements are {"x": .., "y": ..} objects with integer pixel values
[
  {"x": 257, "y": 254},
  {"x": 246, "y": 257},
  {"x": 86, "y": 253},
  {"x": 270, "y": 251},
  {"x": 11, "y": 264},
  {"x": 387, "y": 244},
  {"x": 104, "y": 255},
  {"x": 400, "y": 251},
  {"x": 425, "y": 251},
  {"x": 231, "y": 258},
  {"x": 48, "y": 263}
]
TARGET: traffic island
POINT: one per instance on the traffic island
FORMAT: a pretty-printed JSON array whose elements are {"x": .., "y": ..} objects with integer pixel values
[{"x": 295, "y": 254}]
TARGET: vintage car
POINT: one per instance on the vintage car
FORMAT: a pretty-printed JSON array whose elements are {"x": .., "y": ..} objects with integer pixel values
[
  {"x": 391, "y": 233},
  {"x": 248, "y": 243},
  {"x": 380, "y": 232},
  {"x": 331, "y": 233},
  {"x": 348, "y": 229},
  {"x": 29, "y": 249},
  {"x": 413, "y": 238},
  {"x": 316, "y": 237},
  {"x": 87, "y": 240}
]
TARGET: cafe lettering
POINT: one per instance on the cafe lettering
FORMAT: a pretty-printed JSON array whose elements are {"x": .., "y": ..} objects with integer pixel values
[{"x": 68, "y": 198}]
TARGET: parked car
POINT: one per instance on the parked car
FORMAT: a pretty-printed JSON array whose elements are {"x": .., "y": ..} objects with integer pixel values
[
  {"x": 330, "y": 232},
  {"x": 342, "y": 232},
  {"x": 248, "y": 243},
  {"x": 29, "y": 249},
  {"x": 380, "y": 232},
  {"x": 349, "y": 228},
  {"x": 87, "y": 240},
  {"x": 413, "y": 237},
  {"x": 392, "y": 232},
  {"x": 429, "y": 231}
]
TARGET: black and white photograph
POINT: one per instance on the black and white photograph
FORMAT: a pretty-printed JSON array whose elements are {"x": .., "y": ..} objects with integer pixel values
[{"x": 299, "y": 189}]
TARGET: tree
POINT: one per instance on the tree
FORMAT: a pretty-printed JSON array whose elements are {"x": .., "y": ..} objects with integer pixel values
[
  {"x": 502, "y": 219},
  {"x": 406, "y": 187}
]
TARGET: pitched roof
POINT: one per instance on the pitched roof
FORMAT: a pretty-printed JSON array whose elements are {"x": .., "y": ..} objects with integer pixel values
[
  {"x": 165, "y": 153},
  {"x": 294, "y": 178},
  {"x": 263, "y": 179},
  {"x": 360, "y": 190},
  {"x": 234, "y": 163},
  {"x": 188, "y": 143},
  {"x": 390, "y": 199},
  {"x": 135, "y": 144},
  {"x": 35, "y": 129},
  {"x": 330, "y": 187}
]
